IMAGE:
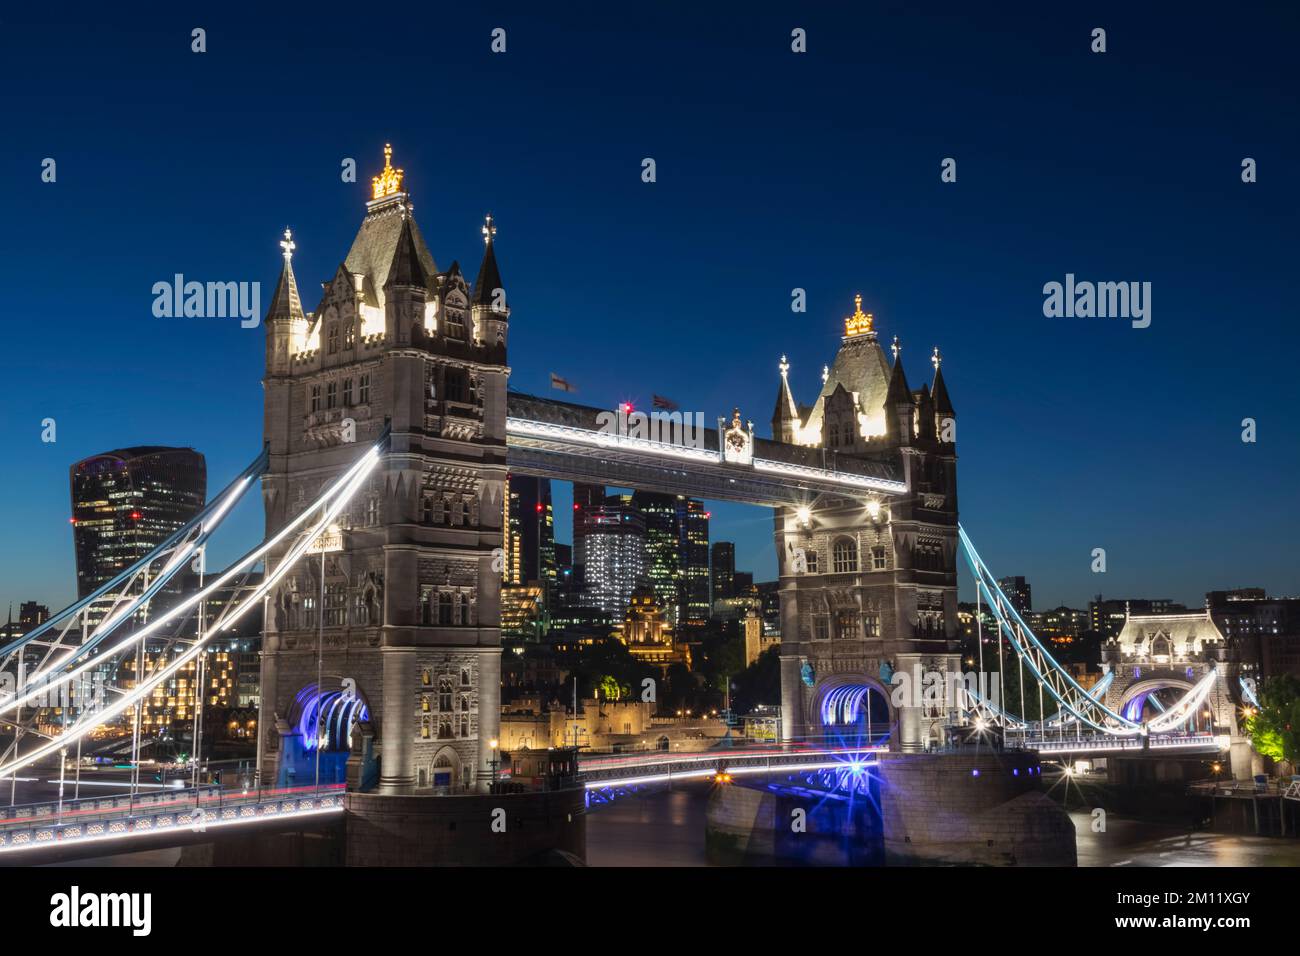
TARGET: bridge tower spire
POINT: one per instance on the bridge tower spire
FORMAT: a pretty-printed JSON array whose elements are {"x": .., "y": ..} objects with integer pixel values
[
  {"x": 284, "y": 312},
  {"x": 490, "y": 311},
  {"x": 785, "y": 418}
]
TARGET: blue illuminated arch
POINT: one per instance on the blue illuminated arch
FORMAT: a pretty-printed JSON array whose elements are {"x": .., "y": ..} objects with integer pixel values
[{"x": 334, "y": 712}]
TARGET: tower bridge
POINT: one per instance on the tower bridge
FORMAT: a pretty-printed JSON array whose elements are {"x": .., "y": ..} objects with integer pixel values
[{"x": 389, "y": 432}]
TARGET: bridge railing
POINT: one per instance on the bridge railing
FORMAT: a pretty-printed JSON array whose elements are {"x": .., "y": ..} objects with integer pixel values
[{"x": 180, "y": 811}]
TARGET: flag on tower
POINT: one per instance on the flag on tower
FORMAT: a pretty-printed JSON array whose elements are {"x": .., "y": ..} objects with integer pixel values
[
  {"x": 667, "y": 404},
  {"x": 561, "y": 384}
]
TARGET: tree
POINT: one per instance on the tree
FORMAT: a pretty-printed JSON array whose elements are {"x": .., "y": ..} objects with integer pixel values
[
  {"x": 759, "y": 683},
  {"x": 1275, "y": 728}
]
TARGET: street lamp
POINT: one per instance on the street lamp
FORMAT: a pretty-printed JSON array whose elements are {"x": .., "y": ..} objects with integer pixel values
[{"x": 494, "y": 763}]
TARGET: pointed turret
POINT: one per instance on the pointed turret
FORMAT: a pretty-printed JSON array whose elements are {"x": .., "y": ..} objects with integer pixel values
[
  {"x": 785, "y": 418},
  {"x": 405, "y": 268},
  {"x": 939, "y": 391},
  {"x": 286, "y": 303},
  {"x": 899, "y": 407},
  {"x": 405, "y": 289},
  {"x": 489, "y": 276},
  {"x": 488, "y": 303},
  {"x": 285, "y": 311},
  {"x": 945, "y": 415}
]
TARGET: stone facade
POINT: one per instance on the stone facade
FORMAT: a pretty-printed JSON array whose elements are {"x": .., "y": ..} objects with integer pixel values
[
  {"x": 409, "y": 602},
  {"x": 869, "y": 587}
]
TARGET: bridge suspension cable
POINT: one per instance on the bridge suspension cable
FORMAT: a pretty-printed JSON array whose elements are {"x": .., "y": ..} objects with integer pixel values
[
  {"x": 329, "y": 504},
  {"x": 206, "y": 521}
]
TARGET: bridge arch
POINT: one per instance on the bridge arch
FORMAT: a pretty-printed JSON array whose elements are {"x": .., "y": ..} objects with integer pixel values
[
  {"x": 852, "y": 705},
  {"x": 317, "y": 735},
  {"x": 1146, "y": 698}
]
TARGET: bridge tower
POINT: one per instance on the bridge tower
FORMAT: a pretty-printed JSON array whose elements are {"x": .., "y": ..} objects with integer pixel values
[
  {"x": 869, "y": 588},
  {"x": 408, "y": 603},
  {"x": 1168, "y": 655}
]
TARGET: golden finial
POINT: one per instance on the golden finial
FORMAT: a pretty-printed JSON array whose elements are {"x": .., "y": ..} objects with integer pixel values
[
  {"x": 784, "y": 367},
  {"x": 859, "y": 323},
  {"x": 389, "y": 181},
  {"x": 936, "y": 359},
  {"x": 489, "y": 230},
  {"x": 288, "y": 245}
]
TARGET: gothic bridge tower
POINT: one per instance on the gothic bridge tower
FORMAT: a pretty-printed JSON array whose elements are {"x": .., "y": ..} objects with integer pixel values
[
  {"x": 869, "y": 589},
  {"x": 408, "y": 607}
]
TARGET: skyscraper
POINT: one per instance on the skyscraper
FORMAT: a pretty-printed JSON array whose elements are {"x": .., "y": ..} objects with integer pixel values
[
  {"x": 693, "y": 557},
  {"x": 724, "y": 570},
  {"x": 127, "y": 502},
  {"x": 662, "y": 546},
  {"x": 611, "y": 550},
  {"x": 530, "y": 551},
  {"x": 1018, "y": 591}
]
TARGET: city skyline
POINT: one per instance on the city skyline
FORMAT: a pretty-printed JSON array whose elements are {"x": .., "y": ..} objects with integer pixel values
[{"x": 1100, "y": 419}]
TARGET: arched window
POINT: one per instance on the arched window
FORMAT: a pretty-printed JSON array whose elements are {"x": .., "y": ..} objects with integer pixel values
[
  {"x": 444, "y": 728},
  {"x": 444, "y": 694},
  {"x": 844, "y": 556},
  {"x": 444, "y": 608},
  {"x": 464, "y": 677}
]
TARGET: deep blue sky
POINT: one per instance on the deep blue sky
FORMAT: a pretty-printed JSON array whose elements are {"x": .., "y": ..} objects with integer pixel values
[{"x": 775, "y": 170}]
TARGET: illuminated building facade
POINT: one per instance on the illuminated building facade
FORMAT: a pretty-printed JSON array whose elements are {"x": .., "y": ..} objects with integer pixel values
[
  {"x": 662, "y": 560},
  {"x": 1018, "y": 593},
  {"x": 612, "y": 552},
  {"x": 693, "y": 561},
  {"x": 127, "y": 502},
  {"x": 647, "y": 632},
  {"x": 530, "y": 543},
  {"x": 412, "y": 589}
]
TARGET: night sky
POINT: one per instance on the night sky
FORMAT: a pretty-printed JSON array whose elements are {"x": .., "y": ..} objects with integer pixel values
[{"x": 775, "y": 171}]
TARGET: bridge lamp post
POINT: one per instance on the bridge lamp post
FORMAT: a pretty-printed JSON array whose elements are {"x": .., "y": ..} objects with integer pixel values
[
  {"x": 63, "y": 767},
  {"x": 804, "y": 514},
  {"x": 494, "y": 763}
]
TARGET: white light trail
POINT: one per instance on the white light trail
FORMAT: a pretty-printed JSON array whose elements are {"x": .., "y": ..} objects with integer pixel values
[
  {"x": 368, "y": 461},
  {"x": 84, "y": 725}
]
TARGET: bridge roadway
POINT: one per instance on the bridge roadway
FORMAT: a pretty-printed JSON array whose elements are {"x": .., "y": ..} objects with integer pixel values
[
  {"x": 616, "y": 770},
  {"x": 121, "y": 823},
  {"x": 1135, "y": 744},
  {"x": 564, "y": 441}
]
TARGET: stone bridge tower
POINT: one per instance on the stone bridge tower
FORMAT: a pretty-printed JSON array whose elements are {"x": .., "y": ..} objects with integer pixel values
[
  {"x": 410, "y": 607},
  {"x": 869, "y": 588}
]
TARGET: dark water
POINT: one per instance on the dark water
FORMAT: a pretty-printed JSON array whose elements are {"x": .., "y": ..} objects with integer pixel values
[{"x": 667, "y": 829}]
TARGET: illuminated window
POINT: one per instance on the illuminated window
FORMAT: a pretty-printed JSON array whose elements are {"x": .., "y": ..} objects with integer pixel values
[
  {"x": 844, "y": 556},
  {"x": 846, "y": 626}
]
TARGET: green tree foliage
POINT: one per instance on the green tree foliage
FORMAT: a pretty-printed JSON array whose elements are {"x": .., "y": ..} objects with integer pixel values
[
  {"x": 760, "y": 683},
  {"x": 1275, "y": 727}
]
